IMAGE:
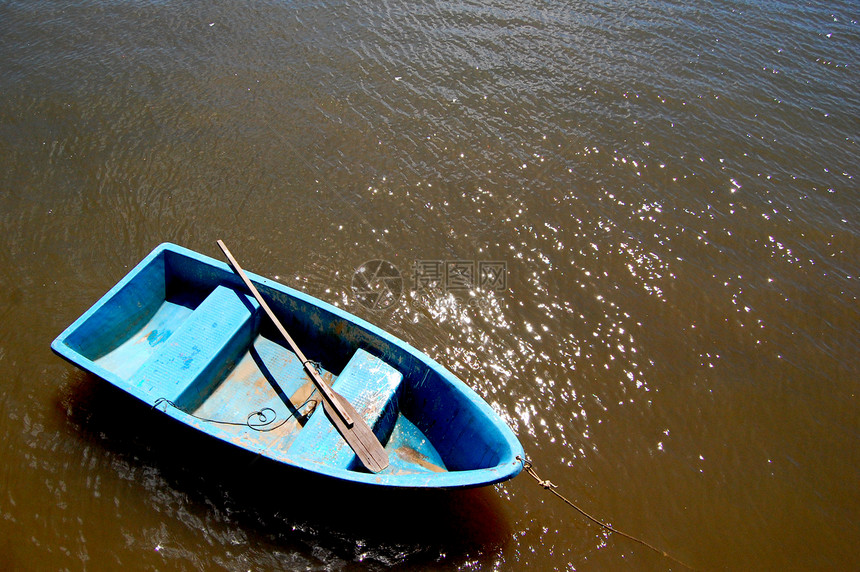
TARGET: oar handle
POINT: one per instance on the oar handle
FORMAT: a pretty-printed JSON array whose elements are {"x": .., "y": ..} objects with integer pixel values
[{"x": 323, "y": 388}]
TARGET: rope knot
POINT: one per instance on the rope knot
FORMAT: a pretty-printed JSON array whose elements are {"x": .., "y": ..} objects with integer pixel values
[{"x": 547, "y": 484}]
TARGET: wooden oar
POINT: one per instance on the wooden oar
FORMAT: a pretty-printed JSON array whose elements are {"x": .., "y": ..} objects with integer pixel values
[{"x": 342, "y": 414}]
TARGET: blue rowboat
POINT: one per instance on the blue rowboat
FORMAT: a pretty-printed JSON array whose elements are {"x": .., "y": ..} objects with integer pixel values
[{"x": 183, "y": 334}]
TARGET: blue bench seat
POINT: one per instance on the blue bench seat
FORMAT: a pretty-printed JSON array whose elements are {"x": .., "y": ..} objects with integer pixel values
[
  {"x": 185, "y": 369},
  {"x": 370, "y": 385}
]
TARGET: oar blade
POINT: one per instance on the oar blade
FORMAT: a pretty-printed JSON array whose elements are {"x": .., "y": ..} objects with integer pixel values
[{"x": 359, "y": 437}]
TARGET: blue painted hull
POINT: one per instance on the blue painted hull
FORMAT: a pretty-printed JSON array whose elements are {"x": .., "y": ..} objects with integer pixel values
[{"x": 180, "y": 333}]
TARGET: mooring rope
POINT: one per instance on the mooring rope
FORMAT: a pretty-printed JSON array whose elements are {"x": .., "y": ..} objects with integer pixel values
[
  {"x": 528, "y": 467},
  {"x": 262, "y": 422}
]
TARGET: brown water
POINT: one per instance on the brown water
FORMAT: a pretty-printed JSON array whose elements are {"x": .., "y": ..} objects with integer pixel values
[{"x": 671, "y": 190}]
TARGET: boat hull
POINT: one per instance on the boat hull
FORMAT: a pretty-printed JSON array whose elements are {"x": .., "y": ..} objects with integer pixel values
[{"x": 180, "y": 333}]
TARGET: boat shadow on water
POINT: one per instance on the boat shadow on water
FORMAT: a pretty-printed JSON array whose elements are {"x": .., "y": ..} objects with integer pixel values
[{"x": 279, "y": 505}]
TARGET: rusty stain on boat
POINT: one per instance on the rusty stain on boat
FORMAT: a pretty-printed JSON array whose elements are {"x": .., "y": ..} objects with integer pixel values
[{"x": 410, "y": 455}]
